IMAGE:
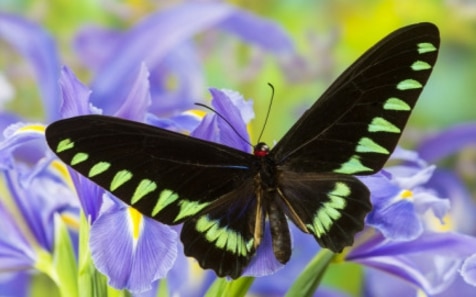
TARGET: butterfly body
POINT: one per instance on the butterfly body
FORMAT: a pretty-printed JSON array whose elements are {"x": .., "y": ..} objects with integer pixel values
[{"x": 228, "y": 199}]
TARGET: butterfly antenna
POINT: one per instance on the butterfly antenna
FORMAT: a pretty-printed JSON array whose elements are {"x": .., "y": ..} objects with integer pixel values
[
  {"x": 268, "y": 112},
  {"x": 226, "y": 121}
]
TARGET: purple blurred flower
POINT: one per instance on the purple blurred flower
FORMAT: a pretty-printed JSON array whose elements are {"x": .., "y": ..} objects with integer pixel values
[
  {"x": 163, "y": 43},
  {"x": 38, "y": 48}
]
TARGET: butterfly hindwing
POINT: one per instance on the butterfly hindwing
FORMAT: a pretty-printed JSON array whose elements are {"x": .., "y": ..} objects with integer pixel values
[
  {"x": 165, "y": 175},
  {"x": 223, "y": 239},
  {"x": 356, "y": 124},
  {"x": 330, "y": 206}
]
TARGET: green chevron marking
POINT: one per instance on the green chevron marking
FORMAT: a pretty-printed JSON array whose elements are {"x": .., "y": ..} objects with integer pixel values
[
  {"x": 145, "y": 187},
  {"x": 64, "y": 145},
  {"x": 119, "y": 179}
]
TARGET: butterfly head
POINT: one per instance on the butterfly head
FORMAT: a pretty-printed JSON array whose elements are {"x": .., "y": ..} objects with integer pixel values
[{"x": 261, "y": 149}]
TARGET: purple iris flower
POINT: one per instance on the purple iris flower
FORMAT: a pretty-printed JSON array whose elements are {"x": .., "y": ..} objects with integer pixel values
[
  {"x": 400, "y": 199},
  {"x": 436, "y": 262}
]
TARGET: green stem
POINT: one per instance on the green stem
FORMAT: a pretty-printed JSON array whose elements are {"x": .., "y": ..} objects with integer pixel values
[{"x": 308, "y": 281}]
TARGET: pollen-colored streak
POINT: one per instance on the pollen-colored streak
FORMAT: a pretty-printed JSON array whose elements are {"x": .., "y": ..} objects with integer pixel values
[
  {"x": 406, "y": 194},
  {"x": 196, "y": 112},
  {"x": 32, "y": 128},
  {"x": 63, "y": 171},
  {"x": 136, "y": 219},
  {"x": 70, "y": 221}
]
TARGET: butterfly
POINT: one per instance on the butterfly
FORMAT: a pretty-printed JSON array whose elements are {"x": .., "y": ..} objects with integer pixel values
[{"x": 224, "y": 197}]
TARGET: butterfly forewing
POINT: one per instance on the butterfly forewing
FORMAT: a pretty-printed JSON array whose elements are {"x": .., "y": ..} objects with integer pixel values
[
  {"x": 165, "y": 175},
  {"x": 356, "y": 124}
]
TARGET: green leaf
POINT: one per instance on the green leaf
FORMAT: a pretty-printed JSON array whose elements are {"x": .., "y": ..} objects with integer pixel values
[
  {"x": 91, "y": 281},
  {"x": 64, "y": 261},
  {"x": 308, "y": 281},
  {"x": 224, "y": 287},
  {"x": 163, "y": 290}
]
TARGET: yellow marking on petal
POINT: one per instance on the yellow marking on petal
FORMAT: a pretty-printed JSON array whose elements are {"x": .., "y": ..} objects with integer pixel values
[
  {"x": 196, "y": 113},
  {"x": 406, "y": 194},
  {"x": 32, "y": 128},
  {"x": 63, "y": 172},
  {"x": 70, "y": 221},
  {"x": 136, "y": 220}
]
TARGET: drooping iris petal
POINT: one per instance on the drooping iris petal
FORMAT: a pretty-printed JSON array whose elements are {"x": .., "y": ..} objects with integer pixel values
[
  {"x": 430, "y": 262},
  {"x": 135, "y": 259},
  {"x": 468, "y": 270},
  {"x": 397, "y": 221},
  {"x": 39, "y": 49}
]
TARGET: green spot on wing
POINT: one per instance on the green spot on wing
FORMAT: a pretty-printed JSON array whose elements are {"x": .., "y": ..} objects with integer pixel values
[
  {"x": 98, "y": 168},
  {"x": 409, "y": 84},
  {"x": 379, "y": 124},
  {"x": 367, "y": 145},
  {"x": 189, "y": 208},
  {"x": 353, "y": 166},
  {"x": 222, "y": 237},
  {"x": 340, "y": 190},
  {"x": 420, "y": 65},
  {"x": 425, "y": 47},
  {"x": 396, "y": 104},
  {"x": 331, "y": 210},
  {"x": 145, "y": 187},
  {"x": 64, "y": 145},
  {"x": 78, "y": 158},
  {"x": 119, "y": 179},
  {"x": 166, "y": 197}
]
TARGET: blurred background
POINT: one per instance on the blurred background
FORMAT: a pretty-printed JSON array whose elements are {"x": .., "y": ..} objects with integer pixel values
[{"x": 328, "y": 36}]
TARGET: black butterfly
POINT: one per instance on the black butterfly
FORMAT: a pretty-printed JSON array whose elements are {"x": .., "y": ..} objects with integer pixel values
[{"x": 223, "y": 196}]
